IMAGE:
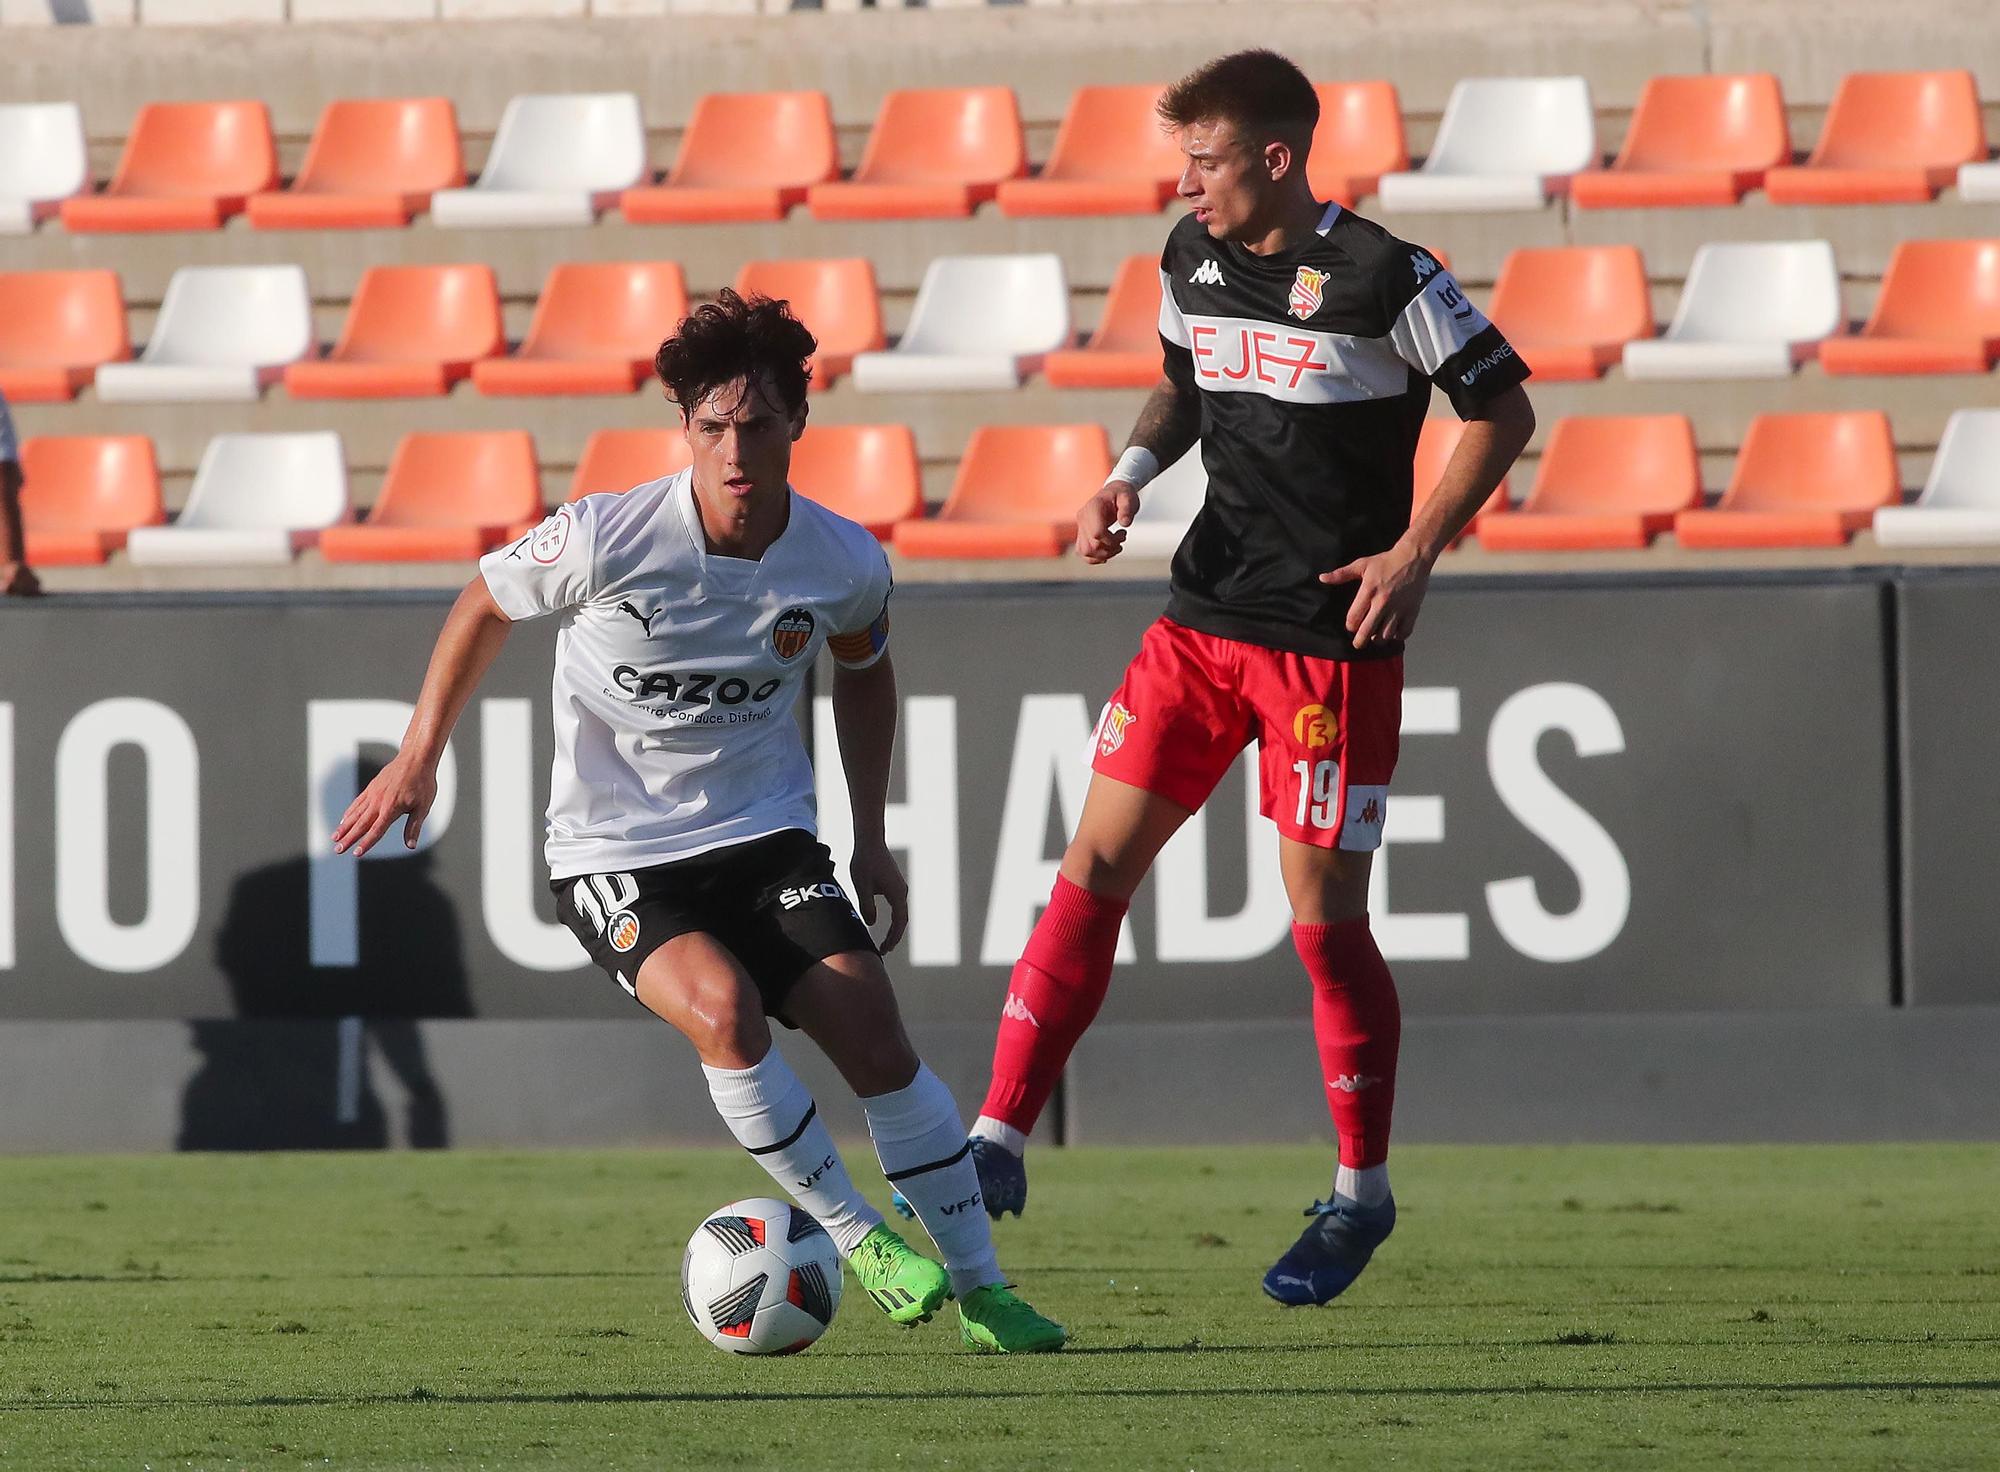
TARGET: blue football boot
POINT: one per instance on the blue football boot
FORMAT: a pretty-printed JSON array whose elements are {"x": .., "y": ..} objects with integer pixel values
[
  {"x": 1331, "y": 1252},
  {"x": 1003, "y": 1181}
]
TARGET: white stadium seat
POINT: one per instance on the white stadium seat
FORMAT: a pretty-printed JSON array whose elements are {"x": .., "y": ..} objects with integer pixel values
[
  {"x": 1747, "y": 311},
  {"x": 980, "y": 322},
  {"x": 1960, "y": 503},
  {"x": 1168, "y": 506},
  {"x": 223, "y": 333},
  {"x": 557, "y": 159},
  {"x": 43, "y": 161},
  {"x": 256, "y": 498},
  {"x": 1501, "y": 142},
  {"x": 1980, "y": 183}
]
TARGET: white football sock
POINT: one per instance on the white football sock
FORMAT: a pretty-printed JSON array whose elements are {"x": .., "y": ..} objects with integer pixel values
[
  {"x": 1369, "y": 1185},
  {"x": 1013, "y": 1141},
  {"x": 772, "y": 1114},
  {"x": 921, "y": 1142}
]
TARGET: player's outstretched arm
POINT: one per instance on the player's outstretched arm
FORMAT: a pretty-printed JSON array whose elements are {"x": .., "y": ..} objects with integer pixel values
[
  {"x": 1167, "y": 428},
  {"x": 1393, "y": 583},
  {"x": 472, "y": 635},
  {"x": 864, "y": 722}
]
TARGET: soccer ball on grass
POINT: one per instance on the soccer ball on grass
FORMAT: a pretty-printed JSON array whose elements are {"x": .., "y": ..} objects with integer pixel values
[{"x": 760, "y": 1276}]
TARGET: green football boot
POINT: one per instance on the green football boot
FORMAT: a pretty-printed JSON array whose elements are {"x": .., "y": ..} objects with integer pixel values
[
  {"x": 992, "y": 1320},
  {"x": 906, "y": 1285}
]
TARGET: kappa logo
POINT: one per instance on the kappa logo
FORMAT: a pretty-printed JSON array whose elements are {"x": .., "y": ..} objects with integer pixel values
[
  {"x": 1352, "y": 1083},
  {"x": 805, "y": 894},
  {"x": 1111, "y": 731},
  {"x": 1314, "y": 727},
  {"x": 792, "y": 632},
  {"x": 1423, "y": 265},
  {"x": 645, "y": 619},
  {"x": 1371, "y": 812},
  {"x": 1017, "y": 1009},
  {"x": 1208, "y": 273},
  {"x": 1308, "y": 289},
  {"x": 957, "y": 1206}
]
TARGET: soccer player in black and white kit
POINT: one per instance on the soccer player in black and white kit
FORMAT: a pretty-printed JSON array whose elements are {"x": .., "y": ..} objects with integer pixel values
[
  {"x": 1300, "y": 344},
  {"x": 681, "y": 832}
]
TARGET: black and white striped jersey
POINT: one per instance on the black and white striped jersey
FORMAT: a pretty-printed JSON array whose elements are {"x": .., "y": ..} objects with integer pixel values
[{"x": 1314, "y": 367}]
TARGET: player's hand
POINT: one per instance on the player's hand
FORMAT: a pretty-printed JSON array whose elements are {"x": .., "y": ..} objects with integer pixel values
[
  {"x": 874, "y": 872},
  {"x": 1393, "y": 585},
  {"x": 17, "y": 580},
  {"x": 405, "y": 786},
  {"x": 1100, "y": 525}
]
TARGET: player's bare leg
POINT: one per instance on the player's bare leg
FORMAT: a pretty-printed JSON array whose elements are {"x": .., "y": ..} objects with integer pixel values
[{"x": 1357, "y": 1023}]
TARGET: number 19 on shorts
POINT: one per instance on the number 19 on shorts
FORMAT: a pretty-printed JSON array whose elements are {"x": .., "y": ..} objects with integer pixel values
[{"x": 1319, "y": 793}]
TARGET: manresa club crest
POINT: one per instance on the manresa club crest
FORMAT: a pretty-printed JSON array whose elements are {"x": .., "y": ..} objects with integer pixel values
[{"x": 792, "y": 632}]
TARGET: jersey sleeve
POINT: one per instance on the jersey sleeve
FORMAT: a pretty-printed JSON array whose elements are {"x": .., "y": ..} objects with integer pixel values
[
  {"x": 1439, "y": 332},
  {"x": 863, "y": 634},
  {"x": 550, "y": 569},
  {"x": 1176, "y": 345},
  {"x": 10, "y": 447}
]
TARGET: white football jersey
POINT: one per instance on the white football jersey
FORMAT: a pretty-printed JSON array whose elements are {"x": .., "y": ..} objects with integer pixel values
[{"x": 677, "y": 671}]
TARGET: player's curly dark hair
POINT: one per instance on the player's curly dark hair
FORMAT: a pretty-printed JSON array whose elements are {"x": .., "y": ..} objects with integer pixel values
[
  {"x": 1262, "y": 94},
  {"x": 736, "y": 337}
]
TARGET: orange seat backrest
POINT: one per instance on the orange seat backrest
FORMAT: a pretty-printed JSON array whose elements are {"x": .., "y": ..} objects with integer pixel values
[
  {"x": 1029, "y": 472},
  {"x": 1360, "y": 133},
  {"x": 1573, "y": 294},
  {"x": 62, "y": 319},
  {"x": 945, "y": 135},
  {"x": 1694, "y": 123},
  {"x": 1904, "y": 120},
  {"x": 199, "y": 149},
  {"x": 1618, "y": 462},
  {"x": 387, "y": 145},
  {"x": 741, "y": 140},
  {"x": 1940, "y": 289},
  {"x": 1814, "y": 462},
  {"x": 422, "y": 314},
  {"x": 90, "y": 483},
  {"x": 866, "y": 472},
  {"x": 479, "y": 478},
  {"x": 619, "y": 459},
  {"x": 1131, "y": 322},
  {"x": 1114, "y": 133},
  {"x": 607, "y": 309},
  {"x": 838, "y": 300}
]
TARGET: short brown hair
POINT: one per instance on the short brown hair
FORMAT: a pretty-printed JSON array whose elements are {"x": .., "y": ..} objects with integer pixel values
[
  {"x": 1260, "y": 93},
  {"x": 736, "y": 337}
]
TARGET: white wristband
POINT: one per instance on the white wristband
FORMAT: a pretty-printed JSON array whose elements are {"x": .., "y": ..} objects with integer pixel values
[{"x": 1136, "y": 466}]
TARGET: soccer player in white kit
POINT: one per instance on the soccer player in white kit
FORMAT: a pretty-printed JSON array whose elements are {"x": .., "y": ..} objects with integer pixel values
[{"x": 681, "y": 832}]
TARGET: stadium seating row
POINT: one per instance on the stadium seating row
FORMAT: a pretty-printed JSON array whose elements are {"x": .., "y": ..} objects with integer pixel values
[
  {"x": 1602, "y": 483},
  {"x": 979, "y": 322},
  {"x": 1503, "y": 143}
]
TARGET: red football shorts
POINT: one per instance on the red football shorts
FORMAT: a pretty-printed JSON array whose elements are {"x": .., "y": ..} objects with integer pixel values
[{"x": 1327, "y": 731}]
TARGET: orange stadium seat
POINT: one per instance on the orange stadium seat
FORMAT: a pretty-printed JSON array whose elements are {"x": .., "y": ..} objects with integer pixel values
[
  {"x": 1358, "y": 140},
  {"x": 746, "y": 156},
  {"x": 56, "y": 328},
  {"x": 372, "y": 163},
  {"x": 866, "y": 472},
  {"x": 1111, "y": 157},
  {"x": 186, "y": 166},
  {"x": 616, "y": 460},
  {"x": 1889, "y": 138},
  {"x": 1124, "y": 352},
  {"x": 1610, "y": 482},
  {"x": 1436, "y": 442},
  {"x": 411, "y": 332},
  {"x": 595, "y": 330},
  {"x": 933, "y": 153},
  {"x": 1801, "y": 480},
  {"x": 1693, "y": 141},
  {"x": 81, "y": 495},
  {"x": 837, "y": 300},
  {"x": 1570, "y": 310},
  {"x": 447, "y": 498},
  {"x": 1938, "y": 312},
  {"x": 1016, "y": 493}
]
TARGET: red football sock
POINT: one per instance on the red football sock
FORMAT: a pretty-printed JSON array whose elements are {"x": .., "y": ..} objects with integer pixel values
[
  {"x": 1358, "y": 1024},
  {"x": 1057, "y": 987}
]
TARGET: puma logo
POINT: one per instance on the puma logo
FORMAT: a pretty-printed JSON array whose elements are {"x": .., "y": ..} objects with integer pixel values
[{"x": 645, "y": 619}]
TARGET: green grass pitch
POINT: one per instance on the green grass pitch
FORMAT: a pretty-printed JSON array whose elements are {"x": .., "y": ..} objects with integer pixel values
[{"x": 1582, "y": 1307}]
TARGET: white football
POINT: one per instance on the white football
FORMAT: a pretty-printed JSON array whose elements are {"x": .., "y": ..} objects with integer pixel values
[{"x": 761, "y": 1277}]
